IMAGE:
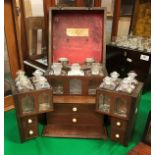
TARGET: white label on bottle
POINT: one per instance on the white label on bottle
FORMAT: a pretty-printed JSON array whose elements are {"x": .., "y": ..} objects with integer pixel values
[{"x": 144, "y": 57}]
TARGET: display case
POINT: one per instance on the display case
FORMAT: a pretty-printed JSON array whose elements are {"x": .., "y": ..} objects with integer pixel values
[
  {"x": 77, "y": 46},
  {"x": 29, "y": 104},
  {"x": 33, "y": 102},
  {"x": 72, "y": 35},
  {"x": 121, "y": 108},
  {"x": 115, "y": 103}
]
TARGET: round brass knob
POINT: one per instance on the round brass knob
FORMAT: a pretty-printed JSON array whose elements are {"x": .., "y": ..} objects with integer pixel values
[
  {"x": 29, "y": 121},
  {"x": 74, "y": 120},
  {"x": 74, "y": 109},
  {"x": 117, "y": 136},
  {"x": 118, "y": 123},
  {"x": 31, "y": 132}
]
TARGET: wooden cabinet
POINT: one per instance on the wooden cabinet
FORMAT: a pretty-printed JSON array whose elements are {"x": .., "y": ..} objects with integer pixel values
[
  {"x": 28, "y": 127},
  {"x": 75, "y": 120},
  {"x": 29, "y": 105},
  {"x": 74, "y": 85},
  {"x": 121, "y": 109}
]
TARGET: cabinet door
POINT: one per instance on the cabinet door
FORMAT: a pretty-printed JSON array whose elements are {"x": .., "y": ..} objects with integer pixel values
[
  {"x": 45, "y": 101},
  {"x": 104, "y": 102},
  {"x": 58, "y": 86},
  {"x": 92, "y": 85},
  {"x": 121, "y": 105},
  {"x": 75, "y": 86},
  {"x": 27, "y": 104}
]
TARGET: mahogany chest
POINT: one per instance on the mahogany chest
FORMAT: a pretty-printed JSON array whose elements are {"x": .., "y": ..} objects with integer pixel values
[
  {"x": 121, "y": 108},
  {"x": 76, "y": 34},
  {"x": 29, "y": 104}
]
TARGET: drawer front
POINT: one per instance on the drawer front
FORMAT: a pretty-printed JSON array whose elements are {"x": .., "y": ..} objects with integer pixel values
[
  {"x": 118, "y": 123},
  {"x": 117, "y": 135},
  {"x": 30, "y": 132},
  {"x": 74, "y": 108},
  {"x": 75, "y": 119},
  {"x": 29, "y": 121}
]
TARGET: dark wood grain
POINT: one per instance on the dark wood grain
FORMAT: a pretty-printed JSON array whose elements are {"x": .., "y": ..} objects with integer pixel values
[
  {"x": 68, "y": 108},
  {"x": 121, "y": 133},
  {"x": 10, "y": 35},
  {"x": 74, "y": 99},
  {"x": 116, "y": 16},
  {"x": 82, "y": 119},
  {"x": 85, "y": 131}
]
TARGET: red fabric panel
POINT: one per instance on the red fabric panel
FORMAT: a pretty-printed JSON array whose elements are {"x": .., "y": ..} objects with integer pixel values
[{"x": 77, "y": 48}]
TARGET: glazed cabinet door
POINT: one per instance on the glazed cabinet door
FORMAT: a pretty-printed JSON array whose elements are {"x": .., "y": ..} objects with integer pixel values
[
  {"x": 104, "y": 102},
  {"x": 121, "y": 105}
]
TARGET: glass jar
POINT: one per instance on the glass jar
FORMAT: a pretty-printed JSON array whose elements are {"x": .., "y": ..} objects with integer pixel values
[
  {"x": 95, "y": 69},
  {"x": 57, "y": 67}
]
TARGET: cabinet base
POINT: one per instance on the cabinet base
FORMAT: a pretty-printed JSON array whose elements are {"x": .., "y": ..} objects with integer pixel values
[{"x": 75, "y": 131}]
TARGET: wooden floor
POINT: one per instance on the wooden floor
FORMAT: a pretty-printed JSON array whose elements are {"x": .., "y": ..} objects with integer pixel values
[{"x": 141, "y": 149}]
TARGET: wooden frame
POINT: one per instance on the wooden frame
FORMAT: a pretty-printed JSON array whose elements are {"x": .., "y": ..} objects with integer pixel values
[
  {"x": 65, "y": 80},
  {"x": 14, "y": 55},
  {"x": 11, "y": 41},
  {"x": 121, "y": 126},
  {"x": 35, "y": 94},
  {"x": 116, "y": 16},
  {"x": 130, "y": 99}
]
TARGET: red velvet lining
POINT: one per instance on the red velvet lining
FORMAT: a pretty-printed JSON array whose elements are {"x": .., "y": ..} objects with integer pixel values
[{"x": 78, "y": 48}]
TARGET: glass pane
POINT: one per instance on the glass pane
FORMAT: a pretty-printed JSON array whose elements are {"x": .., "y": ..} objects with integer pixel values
[
  {"x": 92, "y": 87},
  {"x": 7, "y": 73},
  {"x": 104, "y": 103},
  {"x": 27, "y": 104},
  {"x": 75, "y": 86},
  {"x": 44, "y": 102},
  {"x": 33, "y": 8},
  {"x": 120, "y": 107},
  {"x": 35, "y": 30},
  {"x": 109, "y": 4},
  {"x": 57, "y": 87}
]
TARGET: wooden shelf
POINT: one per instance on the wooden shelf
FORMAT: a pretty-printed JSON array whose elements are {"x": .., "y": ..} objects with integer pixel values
[
  {"x": 83, "y": 131},
  {"x": 74, "y": 99}
]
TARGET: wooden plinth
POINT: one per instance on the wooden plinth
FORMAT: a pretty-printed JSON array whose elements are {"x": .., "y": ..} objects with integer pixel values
[{"x": 69, "y": 131}]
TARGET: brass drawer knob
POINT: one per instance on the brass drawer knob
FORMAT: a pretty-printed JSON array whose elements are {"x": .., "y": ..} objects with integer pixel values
[
  {"x": 118, "y": 123},
  {"x": 29, "y": 121},
  {"x": 117, "y": 135},
  {"x": 74, "y": 109},
  {"x": 31, "y": 132},
  {"x": 74, "y": 120}
]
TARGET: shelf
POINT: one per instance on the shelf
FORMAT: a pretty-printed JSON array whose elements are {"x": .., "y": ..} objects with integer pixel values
[
  {"x": 74, "y": 99},
  {"x": 73, "y": 131}
]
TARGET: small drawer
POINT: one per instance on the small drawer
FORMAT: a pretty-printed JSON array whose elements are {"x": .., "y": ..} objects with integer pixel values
[
  {"x": 74, "y": 108},
  {"x": 30, "y": 132},
  {"x": 117, "y": 135},
  {"x": 71, "y": 119},
  {"x": 118, "y": 123},
  {"x": 29, "y": 121}
]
